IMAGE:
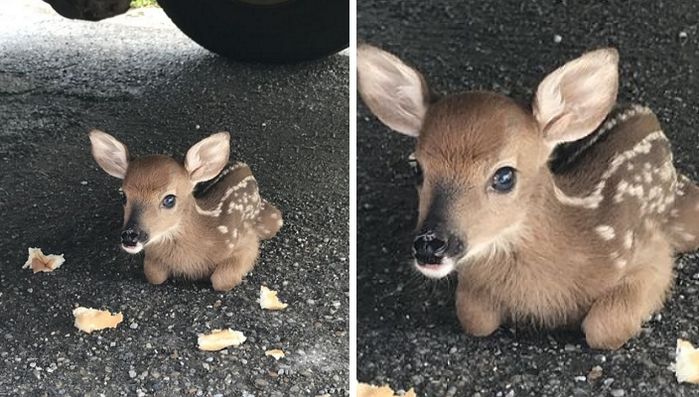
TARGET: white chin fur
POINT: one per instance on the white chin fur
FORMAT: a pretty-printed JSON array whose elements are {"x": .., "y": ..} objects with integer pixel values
[
  {"x": 133, "y": 250},
  {"x": 437, "y": 271}
]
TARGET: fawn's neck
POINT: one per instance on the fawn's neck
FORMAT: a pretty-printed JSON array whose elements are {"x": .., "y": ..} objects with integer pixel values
[{"x": 550, "y": 223}]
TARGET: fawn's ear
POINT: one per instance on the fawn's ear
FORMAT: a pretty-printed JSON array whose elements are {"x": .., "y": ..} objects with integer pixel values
[
  {"x": 574, "y": 100},
  {"x": 208, "y": 157},
  {"x": 396, "y": 93},
  {"x": 109, "y": 153}
]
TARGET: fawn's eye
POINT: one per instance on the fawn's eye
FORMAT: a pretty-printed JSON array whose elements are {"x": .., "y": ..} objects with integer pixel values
[
  {"x": 169, "y": 201},
  {"x": 122, "y": 195},
  {"x": 417, "y": 170},
  {"x": 504, "y": 179}
]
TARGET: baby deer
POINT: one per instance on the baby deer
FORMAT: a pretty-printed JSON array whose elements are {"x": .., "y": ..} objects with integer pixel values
[
  {"x": 550, "y": 216},
  {"x": 214, "y": 232}
]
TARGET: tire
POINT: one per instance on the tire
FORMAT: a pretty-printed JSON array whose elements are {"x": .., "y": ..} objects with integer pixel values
[{"x": 278, "y": 31}]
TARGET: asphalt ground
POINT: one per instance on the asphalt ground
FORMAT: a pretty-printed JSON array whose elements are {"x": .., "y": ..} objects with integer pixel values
[
  {"x": 408, "y": 334},
  {"x": 139, "y": 78}
]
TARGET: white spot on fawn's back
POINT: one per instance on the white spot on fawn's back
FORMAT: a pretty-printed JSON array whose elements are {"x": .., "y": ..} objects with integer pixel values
[
  {"x": 605, "y": 231},
  {"x": 223, "y": 229},
  {"x": 214, "y": 213},
  {"x": 620, "y": 263},
  {"x": 595, "y": 197},
  {"x": 606, "y": 127},
  {"x": 628, "y": 239}
]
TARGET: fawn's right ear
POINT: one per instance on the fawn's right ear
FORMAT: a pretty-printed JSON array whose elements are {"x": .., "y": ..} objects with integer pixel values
[
  {"x": 574, "y": 100},
  {"x": 208, "y": 157},
  {"x": 396, "y": 93},
  {"x": 109, "y": 153}
]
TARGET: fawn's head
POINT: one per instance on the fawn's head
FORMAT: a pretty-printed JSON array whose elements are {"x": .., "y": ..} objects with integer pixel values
[
  {"x": 157, "y": 190},
  {"x": 480, "y": 158}
]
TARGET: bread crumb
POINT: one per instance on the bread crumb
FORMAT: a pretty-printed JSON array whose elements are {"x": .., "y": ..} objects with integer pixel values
[
  {"x": 595, "y": 373},
  {"x": 39, "y": 262},
  {"x": 220, "y": 339},
  {"x": 686, "y": 362},
  {"x": 88, "y": 320},
  {"x": 269, "y": 299},
  {"x": 276, "y": 353},
  {"x": 365, "y": 390}
]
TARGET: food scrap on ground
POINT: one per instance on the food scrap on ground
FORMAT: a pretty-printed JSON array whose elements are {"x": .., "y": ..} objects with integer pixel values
[
  {"x": 220, "y": 339},
  {"x": 276, "y": 353},
  {"x": 88, "y": 320},
  {"x": 365, "y": 390},
  {"x": 594, "y": 374},
  {"x": 39, "y": 262},
  {"x": 686, "y": 362},
  {"x": 269, "y": 299}
]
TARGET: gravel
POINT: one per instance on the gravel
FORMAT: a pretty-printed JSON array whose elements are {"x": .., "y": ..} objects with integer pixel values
[
  {"x": 408, "y": 332},
  {"x": 139, "y": 78}
]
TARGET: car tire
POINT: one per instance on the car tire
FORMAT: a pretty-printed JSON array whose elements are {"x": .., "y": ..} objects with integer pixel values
[{"x": 279, "y": 31}]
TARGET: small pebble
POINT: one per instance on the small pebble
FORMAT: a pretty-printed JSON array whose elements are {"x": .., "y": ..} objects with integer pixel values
[{"x": 557, "y": 38}]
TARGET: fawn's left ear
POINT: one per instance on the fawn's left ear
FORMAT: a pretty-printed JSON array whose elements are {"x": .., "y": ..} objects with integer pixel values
[
  {"x": 574, "y": 100},
  {"x": 111, "y": 155},
  {"x": 396, "y": 93},
  {"x": 208, "y": 157}
]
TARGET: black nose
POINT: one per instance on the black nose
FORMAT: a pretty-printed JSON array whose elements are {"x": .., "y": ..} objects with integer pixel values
[
  {"x": 129, "y": 237},
  {"x": 429, "y": 248}
]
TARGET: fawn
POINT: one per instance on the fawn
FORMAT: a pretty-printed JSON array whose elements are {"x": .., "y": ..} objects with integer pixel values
[
  {"x": 549, "y": 215},
  {"x": 213, "y": 232}
]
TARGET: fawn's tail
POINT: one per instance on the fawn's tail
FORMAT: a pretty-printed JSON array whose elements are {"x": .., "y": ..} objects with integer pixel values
[
  {"x": 269, "y": 221},
  {"x": 684, "y": 217}
]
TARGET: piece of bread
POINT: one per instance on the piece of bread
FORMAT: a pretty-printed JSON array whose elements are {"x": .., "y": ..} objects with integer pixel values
[
  {"x": 365, "y": 390},
  {"x": 39, "y": 262},
  {"x": 276, "y": 353},
  {"x": 686, "y": 362},
  {"x": 269, "y": 300},
  {"x": 88, "y": 320},
  {"x": 220, "y": 339}
]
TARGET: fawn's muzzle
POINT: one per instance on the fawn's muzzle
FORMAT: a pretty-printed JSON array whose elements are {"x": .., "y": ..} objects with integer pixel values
[
  {"x": 429, "y": 248},
  {"x": 129, "y": 237},
  {"x": 132, "y": 240}
]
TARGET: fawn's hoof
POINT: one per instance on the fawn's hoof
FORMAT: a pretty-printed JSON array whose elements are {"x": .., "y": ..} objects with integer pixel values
[
  {"x": 609, "y": 332},
  {"x": 156, "y": 278},
  {"x": 478, "y": 324},
  {"x": 223, "y": 283}
]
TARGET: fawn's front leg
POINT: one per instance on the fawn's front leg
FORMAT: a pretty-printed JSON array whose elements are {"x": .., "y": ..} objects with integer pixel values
[
  {"x": 618, "y": 315},
  {"x": 230, "y": 273},
  {"x": 156, "y": 272},
  {"x": 478, "y": 317}
]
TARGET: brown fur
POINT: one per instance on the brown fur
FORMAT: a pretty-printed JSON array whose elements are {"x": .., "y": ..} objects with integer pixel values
[{"x": 586, "y": 239}]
